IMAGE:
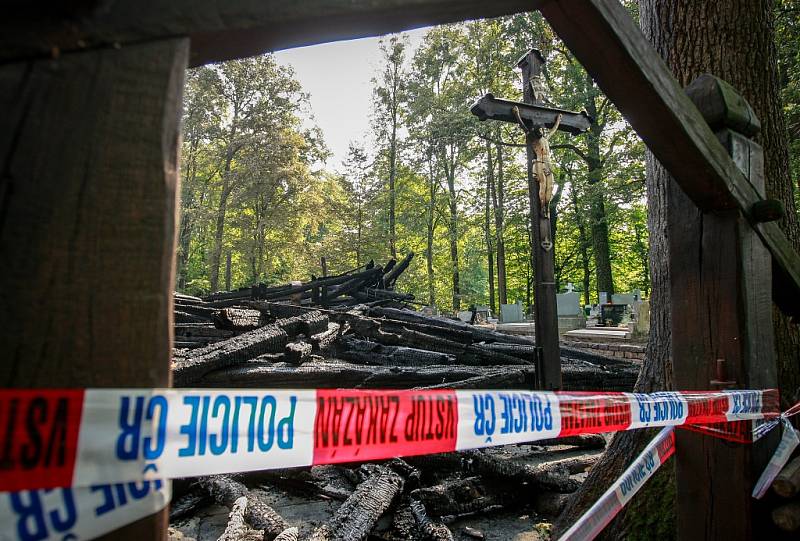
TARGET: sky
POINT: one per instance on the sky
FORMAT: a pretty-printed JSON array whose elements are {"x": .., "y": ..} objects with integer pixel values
[{"x": 338, "y": 77}]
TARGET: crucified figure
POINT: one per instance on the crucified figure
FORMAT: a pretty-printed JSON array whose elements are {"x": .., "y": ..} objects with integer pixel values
[{"x": 542, "y": 167}]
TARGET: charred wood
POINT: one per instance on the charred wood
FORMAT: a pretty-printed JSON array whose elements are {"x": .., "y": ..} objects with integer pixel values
[
  {"x": 432, "y": 531},
  {"x": 582, "y": 441},
  {"x": 324, "y": 341},
  {"x": 297, "y": 352},
  {"x": 547, "y": 477},
  {"x": 787, "y": 483},
  {"x": 479, "y": 334},
  {"x": 259, "y": 515},
  {"x": 393, "y": 273},
  {"x": 267, "y": 339},
  {"x": 236, "y": 529},
  {"x": 331, "y": 374},
  {"x": 238, "y": 319},
  {"x": 185, "y": 317},
  {"x": 787, "y": 517},
  {"x": 462, "y": 497},
  {"x": 359, "y": 513},
  {"x": 189, "y": 504}
]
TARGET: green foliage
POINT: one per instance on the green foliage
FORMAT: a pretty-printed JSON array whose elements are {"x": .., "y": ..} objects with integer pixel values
[{"x": 245, "y": 144}]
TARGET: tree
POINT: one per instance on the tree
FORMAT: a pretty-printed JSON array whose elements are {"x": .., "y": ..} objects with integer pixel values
[
  {"x": 720, "y": 38},
  {"x": 389, "y": 93}
]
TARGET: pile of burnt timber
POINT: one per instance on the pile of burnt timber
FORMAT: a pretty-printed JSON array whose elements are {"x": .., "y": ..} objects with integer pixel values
[
  {"x": 278, "y": 345},
  {"x": 298, "y": 338},
  {"x": 368, "y": 284},
  {"x": 421, "y": 498}
]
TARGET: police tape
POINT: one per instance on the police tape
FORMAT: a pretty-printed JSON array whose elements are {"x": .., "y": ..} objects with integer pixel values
[
  {"x": 614, "y": 499},
  {"x": 83, "y": 438},
  {"x": 78, "y": 513}
]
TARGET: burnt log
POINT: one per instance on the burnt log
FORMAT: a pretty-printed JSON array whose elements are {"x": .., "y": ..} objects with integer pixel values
[
  {"x": 392, "y": 274},
  {"x": 587, "y": 376},
  {"x": 189, "y": 504},
  {"x": 182, "y": 316},
  {"x": 787, "y": 517},
  {"x": 358, "y": 514},
  {"x": 787, "y": 483},
  {"x": 236, "y": 529},
  {"x": 542, "y": 476},
  {"x": 297, "y": 352},
  {"x": 459, "y": 498},
  {"x": 324, "y": 341},
  {"x": 244, "y": 347},
  {"x": 289, "y": 534},
  {"x": 206, "y": 330},
  {"x": 237, "y": 319},
  {"x": 267, "y": 339},
  {"x": 430, "y": 530},
  {"x": 332, "y": 374},
  {"x": 581, "y": 441},
  {"x": 369, "y": 275},
  {"x": 371, "y": 353},
  {"x": 479, "y": 334},
  {"x": 259, "y": 515}
]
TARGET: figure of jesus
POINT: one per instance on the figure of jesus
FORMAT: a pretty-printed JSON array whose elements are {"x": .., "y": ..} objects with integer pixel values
[{"x": 542, "y": 167}]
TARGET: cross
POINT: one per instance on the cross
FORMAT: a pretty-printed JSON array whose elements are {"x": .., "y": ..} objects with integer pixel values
[{"x": 539, "y": 121}]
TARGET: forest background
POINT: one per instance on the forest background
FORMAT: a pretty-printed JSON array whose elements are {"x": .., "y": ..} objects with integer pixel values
[{"x": 258, "y": 199}]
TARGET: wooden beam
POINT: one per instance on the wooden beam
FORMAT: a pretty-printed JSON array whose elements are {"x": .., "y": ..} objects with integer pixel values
[
  {"x": 612, "y": 48},
  {"x": 88, "y": 201},
  {"x": 226, "y": 30}
]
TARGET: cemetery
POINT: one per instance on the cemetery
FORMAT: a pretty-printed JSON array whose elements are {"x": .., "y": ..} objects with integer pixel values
[{"x": 555, "y": 295}]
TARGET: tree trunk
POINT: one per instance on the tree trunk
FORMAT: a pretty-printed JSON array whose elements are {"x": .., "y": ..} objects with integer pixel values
[
  {"x": 733, "y": 39},
  {"x": 598, "y": 223},
  {"x": 498, "y": 201},
  {"x": 392, "y": 180},
  {"x": 488, "y": 221},
  {"x": 431, "y": 227},
  {"x": 222, "y": 208},
  {"x": 454, "y": 239},
  {"x": 584, "y": 245}
]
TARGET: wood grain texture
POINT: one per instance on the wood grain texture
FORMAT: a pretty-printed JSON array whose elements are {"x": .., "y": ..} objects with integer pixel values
[
  {"x": 624, "y": 64},
  {"x": 88, "y": 189},
  {"x": 231, "y": 29}
]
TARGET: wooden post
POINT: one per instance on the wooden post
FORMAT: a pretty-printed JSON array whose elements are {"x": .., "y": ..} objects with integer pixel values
[
  {"x": 721, "y": 309},
  {"x": 548, "y": 367},
  {"x": 88, "y": 200}
]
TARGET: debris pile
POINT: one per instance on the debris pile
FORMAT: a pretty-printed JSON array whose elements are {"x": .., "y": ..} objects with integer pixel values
[{"x": 354, "y": 331}]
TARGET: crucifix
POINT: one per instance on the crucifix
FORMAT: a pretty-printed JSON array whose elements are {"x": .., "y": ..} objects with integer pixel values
[{"x": 539, "y": 122}]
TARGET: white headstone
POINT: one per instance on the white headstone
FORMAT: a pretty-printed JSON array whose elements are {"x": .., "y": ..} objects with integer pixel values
[
  {"x": 511, "y": 313},
  {"x": 569, "y": 304},
  {"x": 603, "y": 297},
  {"x": 623, "y": 298}
]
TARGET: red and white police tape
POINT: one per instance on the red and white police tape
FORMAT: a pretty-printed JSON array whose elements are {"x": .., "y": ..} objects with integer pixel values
[{"x": 114, "y": 446}]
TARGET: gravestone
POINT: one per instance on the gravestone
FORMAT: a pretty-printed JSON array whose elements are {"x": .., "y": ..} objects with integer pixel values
[
  {"x": 624, "y": 298},
  {"x": 512, "y": 313},
  {"x": 570, "y": 313},
  {"x": 569, "y": 304},
  {"x": 603, "y": 296}
]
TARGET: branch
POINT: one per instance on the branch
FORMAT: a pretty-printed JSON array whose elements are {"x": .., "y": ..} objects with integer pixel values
[
  {"x": 574, "y": 149},
  {"x": 499, "y": 141}
]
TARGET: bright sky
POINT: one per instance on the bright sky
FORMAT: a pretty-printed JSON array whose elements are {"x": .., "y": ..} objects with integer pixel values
[{"x": 338, "y": 75}]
